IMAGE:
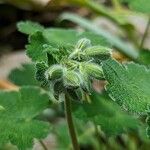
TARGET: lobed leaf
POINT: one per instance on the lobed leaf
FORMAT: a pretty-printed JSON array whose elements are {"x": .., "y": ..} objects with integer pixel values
[
  {"x": 17, "y": 118},
  {"x": 128, "y": 85}
]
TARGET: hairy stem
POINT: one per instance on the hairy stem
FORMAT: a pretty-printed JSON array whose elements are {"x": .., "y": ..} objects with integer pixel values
[
  {"x": 145, "y": 34},
  {"x": 68, "y": 113},
  {"x": 43, "y": 145}
]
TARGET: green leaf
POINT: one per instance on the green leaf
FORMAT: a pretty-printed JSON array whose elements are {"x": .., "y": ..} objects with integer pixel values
[
  {"x": 121, "y": 46},
  {"x": 128, "y": 85},
  {"x": 55, "y": 37},
  {"x": 23, "y": 75},
  {"x": 35, "y": 49},
  {"x": 17, "y": 118},
  {"x": 29, "y": 27},
  {"x": 41, "y": 68},
  {"x": 106, "y": 113}
]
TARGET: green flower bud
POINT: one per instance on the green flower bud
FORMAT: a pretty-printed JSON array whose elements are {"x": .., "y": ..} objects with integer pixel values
[
  {"x": 97, "y": 51},
  {"x": 54, "y": 72},
  {"x": 86, "y": 83},
  {"x": 83, "y": 43},
  {"x": 92, "y": 70},
  {"x": 71, "y": 79}
]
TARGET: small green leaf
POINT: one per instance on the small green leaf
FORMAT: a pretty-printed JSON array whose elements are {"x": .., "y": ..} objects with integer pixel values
[
  {"x": 35, "y": 49},
  {"x": 128, "y": 85},
  {"x": 29, "y": 27},
  {"x": 17, "y": 122}
]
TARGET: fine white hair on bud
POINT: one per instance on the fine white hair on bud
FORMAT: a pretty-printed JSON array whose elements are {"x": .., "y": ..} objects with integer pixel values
[
  {"x": 83, "y": 43},
  {"x": 97, "y": 51},
  {"x": 54, "y": 72},
  {"x": 92, "y": 70},
  {"x": 71, "y": 79}
]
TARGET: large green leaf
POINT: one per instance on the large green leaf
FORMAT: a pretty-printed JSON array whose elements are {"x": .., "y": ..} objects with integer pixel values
[
  {"x": 18, "y": 110},
  {"x": 106, "y": 113},
  {"x": 128, "y": 85},
  {"x": 25, "y": 75}
]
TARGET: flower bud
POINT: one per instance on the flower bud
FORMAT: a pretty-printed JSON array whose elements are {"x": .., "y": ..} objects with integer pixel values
[
  {"x": 93, "y": 70},
  {"x": 83, "y": 43},
  {"x": 54, "y": 72},
  {"x": 71, "y": 79},
  {"x": 99, "y": 51},
  {"x": 86, "y": 83}
]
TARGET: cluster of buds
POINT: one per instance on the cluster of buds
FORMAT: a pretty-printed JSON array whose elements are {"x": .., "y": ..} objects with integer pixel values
[{"x": 75, "y": 73}]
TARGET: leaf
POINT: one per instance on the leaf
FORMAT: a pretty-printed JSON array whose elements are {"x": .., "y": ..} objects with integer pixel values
[
  {"x": 35, "y": 49},
  {"x": 128, "y": 85},
  {"x": 24, "y": 75},
  {"x": 123, "y": 47},
  {"x": 106, "y": 113},
  {"x": 29, "y": 27},
  {"x": 17, "y": 116},
  {"x": 55, "y": 36},
  {"x": 41, "y": 68}
]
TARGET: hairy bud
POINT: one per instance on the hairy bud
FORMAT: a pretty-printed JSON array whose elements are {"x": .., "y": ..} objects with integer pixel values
[
  {"x": 83, "y": 43},
  {"x": 54, "y": 72},
  {"x": 99, "y": 51},
  {"x": 71, "y": 79},
  {"x": 93, "y": 70}
]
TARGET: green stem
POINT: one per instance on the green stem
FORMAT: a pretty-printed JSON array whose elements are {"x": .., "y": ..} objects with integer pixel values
[
  {"x": 145, "y": 34},
  {"x": 68, "y": 113},
  {"x": 43, "y": 145}
]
